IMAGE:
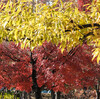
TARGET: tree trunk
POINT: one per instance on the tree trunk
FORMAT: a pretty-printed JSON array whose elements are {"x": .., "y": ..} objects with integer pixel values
[
  {"x": 35, "y": 87},
  {"x": 29, "y": 95},
  {"x": 97, "y": 90},
  {"x": 38, "y": 93},
  {"x": 58, "y": 95},
  {"x": 52, "y": 94},
  {"x": 25, "y": 95},
  {"x": 84, "y": 93},
  {"x": 15, "y": 97},
  {"x": 3, "y": 92},
  {"x": 2, "y": 95},
  {"x": 22, "y": 97}
]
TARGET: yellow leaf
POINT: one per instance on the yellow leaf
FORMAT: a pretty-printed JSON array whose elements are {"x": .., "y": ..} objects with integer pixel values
[
  {"x": 95, "y": 53},
  {"x": 62, "y": 50},
  {"x": 98, "y": 59}
]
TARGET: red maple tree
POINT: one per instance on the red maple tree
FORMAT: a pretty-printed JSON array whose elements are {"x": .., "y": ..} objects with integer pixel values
[
  {"x": 67, "y": 71},
  {"x": 15, "y": 67},
  {"x": 58, "y": 71}
]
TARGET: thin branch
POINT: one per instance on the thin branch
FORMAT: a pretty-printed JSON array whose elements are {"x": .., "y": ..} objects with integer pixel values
[
  {"x": 18, "y": 60},
  {"x": 85, "y": 36},
  {"x": 84, "y": 26},
  {"x": 14, "y": 58},
  {"x": 88, "y": 25}
]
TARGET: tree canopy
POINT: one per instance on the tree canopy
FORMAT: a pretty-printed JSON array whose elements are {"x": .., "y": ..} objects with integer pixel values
[
  {"x": 15, "y": 67},
  {"x": 67, "y": 71},
  {"x": 57, "y": 71},
  {"x": 61, "y": 23}
]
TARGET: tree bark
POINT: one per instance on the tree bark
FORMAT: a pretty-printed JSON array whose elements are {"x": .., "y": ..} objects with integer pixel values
[
  {"x": 25, "y": 95},
  {"x": 38, "y": 93},
  {"x": 52, "y": 94},
  {"x": 22, "y": 96},
  {"x": 3, "y": 92},
  {"x": 97, "y": 90},
  {"x": 15, "y": 97},
  {"x": 28, "y": 96},
  {"x": 35, "y": 87},
  {"x": 2, "y": 95},
  {"x": 58, "y": 95}
]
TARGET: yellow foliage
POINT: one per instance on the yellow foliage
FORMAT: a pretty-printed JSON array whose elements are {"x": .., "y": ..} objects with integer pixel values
[{"x": 18, "y": 22}]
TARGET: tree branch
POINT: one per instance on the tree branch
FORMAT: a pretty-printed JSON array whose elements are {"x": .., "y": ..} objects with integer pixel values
[
  {"x": 86, "y": 35},
  {"x": 17, "y": 60},
  {"x": 84, "y": 26}
]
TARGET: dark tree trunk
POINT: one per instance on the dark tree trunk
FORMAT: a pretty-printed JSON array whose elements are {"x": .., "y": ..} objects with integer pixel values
[
  {"x": 84, "y": 89},
  {"x": 35, "y": 87},
  {"x": 58, "y": 95},
  {"x": 22, "y": 96},
  {"x": 97, "y": 90},
  {"x": 15, "y": 94},
  {"x": 55, "y": 95},
  {"x": 3, "y": 92},
  {"x": 25, "y": 95},
  {"x": 2, "y": 95},
  {"x": 38, "y": 93},
  {"x": 52, "y": 94},
  {"x": 29, "y": 95},
  {"x": 15, "y": 97}
]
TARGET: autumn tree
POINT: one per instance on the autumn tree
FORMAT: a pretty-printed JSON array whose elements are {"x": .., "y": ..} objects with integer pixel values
[
  {"x": 62, "y": 25},
  {"x": 15, "y": 67},
  {"x": 50, "y": 23},
  {"x": 58, "y": 72},
  {"x": 67, "y": 71}
]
